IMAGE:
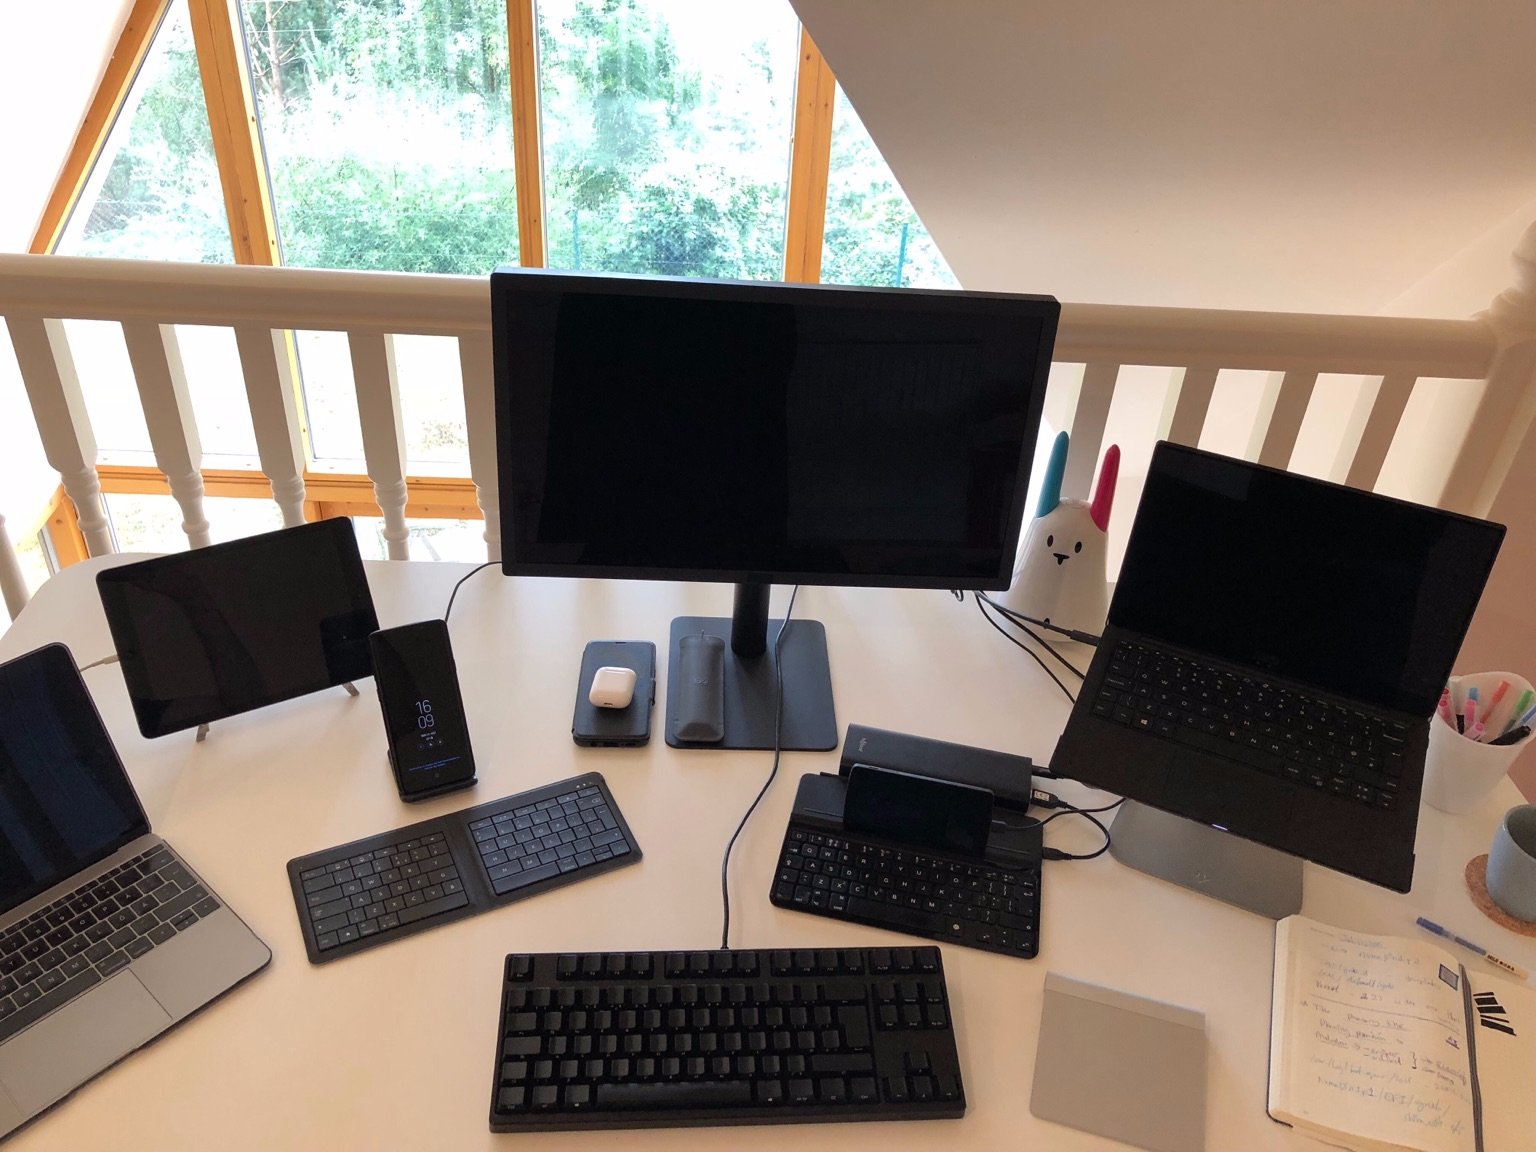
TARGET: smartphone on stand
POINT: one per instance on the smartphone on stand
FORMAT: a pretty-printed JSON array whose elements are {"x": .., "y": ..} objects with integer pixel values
[{"x": 418, "y": 686}]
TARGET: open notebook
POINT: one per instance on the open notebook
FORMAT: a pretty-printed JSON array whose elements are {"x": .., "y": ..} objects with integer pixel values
[{"x": 1384, "y": 1042}]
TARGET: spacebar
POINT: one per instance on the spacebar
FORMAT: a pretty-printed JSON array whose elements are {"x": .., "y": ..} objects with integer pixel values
[
  {"x": 704, "y": 1094},
  {"x": 895, "y": 916},
  {"x": 523, "y": 879},
  {"x": 413, "y": 913}
]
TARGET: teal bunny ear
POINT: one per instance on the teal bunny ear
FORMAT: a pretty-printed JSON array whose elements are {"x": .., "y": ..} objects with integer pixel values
[{"x": 1050, "y": 490}]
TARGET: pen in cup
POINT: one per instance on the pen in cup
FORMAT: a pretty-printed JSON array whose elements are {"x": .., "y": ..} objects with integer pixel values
[{"x": 1446, "y": 934}]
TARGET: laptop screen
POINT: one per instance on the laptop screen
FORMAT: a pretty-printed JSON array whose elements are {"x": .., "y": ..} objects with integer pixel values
[
  {"x": 1347, "y": 591},
  {"x": 65, "y": 801}
]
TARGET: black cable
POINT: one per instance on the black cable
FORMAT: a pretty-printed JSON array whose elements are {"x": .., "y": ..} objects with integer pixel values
[
  {"x": 778, "y": 719},
  {"x": 1033, "y": 655},
  {"x": 460, "y": 584},
  {"x": 1022, "y": 623},
  {"x": 1089, "y": 815},
  {"x": 1065, "y": 809},
  {"x": 1088, "y": 638}
]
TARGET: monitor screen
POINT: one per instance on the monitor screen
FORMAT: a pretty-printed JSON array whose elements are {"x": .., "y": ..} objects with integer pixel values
[
  {"x": 772, "y": 433},
  {"x": 220, "y": 630}
]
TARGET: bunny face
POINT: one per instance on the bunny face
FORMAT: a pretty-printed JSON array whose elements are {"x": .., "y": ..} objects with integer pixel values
[
  {"x": 1060, "y": 577},
  {"x": 1061, "y": 573}
]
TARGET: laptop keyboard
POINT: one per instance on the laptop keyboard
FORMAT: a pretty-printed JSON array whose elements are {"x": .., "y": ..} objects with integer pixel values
[
  {"x": 98, "y": 929},
  {"x": 396, "y": 883},
  {"x": 962, "y": 902},
  {"x": 1280, "y": 730}
]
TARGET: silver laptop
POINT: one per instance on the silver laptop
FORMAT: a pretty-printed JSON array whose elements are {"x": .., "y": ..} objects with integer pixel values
[{"x": 106, "y": 937}]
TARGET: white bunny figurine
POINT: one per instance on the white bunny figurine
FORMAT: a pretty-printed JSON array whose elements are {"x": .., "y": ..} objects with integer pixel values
[{"x": 1061, "y": 576}]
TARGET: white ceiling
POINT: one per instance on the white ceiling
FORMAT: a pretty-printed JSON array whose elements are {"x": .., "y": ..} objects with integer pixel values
[
  {"x": 1311, "y": 155},
  {"x": 52, "y": 57}
]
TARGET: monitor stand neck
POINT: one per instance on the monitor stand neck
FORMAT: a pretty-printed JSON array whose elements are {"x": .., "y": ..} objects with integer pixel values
[
  {"x": 754, "y": 655},
  {"x": 1206, "y": 860}
]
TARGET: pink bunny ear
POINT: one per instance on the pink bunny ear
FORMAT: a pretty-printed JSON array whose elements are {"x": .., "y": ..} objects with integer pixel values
[{"x": 1104, "y": 494}]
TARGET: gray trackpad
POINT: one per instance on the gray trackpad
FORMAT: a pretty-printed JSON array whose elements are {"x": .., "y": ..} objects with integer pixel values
[{"x": 66, "y": 1049}]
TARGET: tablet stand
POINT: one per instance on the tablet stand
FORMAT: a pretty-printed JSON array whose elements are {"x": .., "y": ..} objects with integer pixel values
[
  {"x": 202, "y": 729},
  {"x": 1206, "y": 859}
]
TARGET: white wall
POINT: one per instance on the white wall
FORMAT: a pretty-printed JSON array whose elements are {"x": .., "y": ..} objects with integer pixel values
[{"x": 52, "y": 56}]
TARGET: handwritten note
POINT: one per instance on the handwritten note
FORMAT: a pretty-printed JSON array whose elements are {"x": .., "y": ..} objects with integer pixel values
[{"x": 1373, "y": 1038}]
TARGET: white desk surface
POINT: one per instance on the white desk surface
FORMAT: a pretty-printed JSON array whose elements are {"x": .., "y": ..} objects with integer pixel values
[{"x": 392, "y": 1048}]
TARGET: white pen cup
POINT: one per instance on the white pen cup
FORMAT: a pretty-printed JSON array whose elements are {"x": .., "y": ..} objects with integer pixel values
[
  {"x": 1512, "y": 863},
  {"x": 1459, "y": 772}
]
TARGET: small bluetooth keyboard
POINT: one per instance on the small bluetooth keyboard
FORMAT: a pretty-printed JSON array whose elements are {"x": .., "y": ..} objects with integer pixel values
[
  {"x": 401, "y": 882},
  {"x": 959, "y": 901},
  {"x": 733, "y": 1036}
]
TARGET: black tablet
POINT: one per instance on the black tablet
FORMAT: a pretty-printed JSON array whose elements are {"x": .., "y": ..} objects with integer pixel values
[{"x": 221, "y": 630}]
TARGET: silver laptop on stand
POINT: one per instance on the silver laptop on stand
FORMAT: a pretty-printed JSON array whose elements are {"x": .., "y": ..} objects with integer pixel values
[{"x": 106, "y": 937}]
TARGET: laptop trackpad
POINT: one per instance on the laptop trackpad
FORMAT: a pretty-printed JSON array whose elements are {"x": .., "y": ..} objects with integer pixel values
[
  {"x": 66, "y": 1049},
  {"x": 1226, "y": 794}
]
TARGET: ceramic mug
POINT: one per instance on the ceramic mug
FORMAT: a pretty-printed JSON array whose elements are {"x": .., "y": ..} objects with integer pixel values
[{"x": 1512, "y": 863}]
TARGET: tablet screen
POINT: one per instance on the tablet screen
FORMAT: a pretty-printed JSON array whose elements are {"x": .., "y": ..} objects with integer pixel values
[{"x": 216, "y": 631}]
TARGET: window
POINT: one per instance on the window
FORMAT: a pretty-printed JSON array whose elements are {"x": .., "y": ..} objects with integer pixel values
[
  {"x": 666, "y": 134},
  {"x": 154, "y": 193},
  {"x": 873, "y": 236},
  {"x": 387, "y": 126}
]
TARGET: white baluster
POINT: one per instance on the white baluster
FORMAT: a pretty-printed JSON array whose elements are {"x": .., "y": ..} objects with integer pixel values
[
  {"x": 378, "y": 412},
  {"x": 476, "y": 362},
  {"x": 1503, "y": 417},
  {"x": 1093, "y": 400},
  {"x": 1188, "y": 401},
  {"x": 264, "y": 359},
  {"x": 156, "y": 358},
  {"x": 1371, "y": 427},
  {"x": 1282, "y": 407},
  {"x": 13, "y": 585},
  {"x": 48, "y": 372}
]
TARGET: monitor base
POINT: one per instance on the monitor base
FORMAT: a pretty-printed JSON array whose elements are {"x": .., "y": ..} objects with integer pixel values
[
  {"x": 1207, "y": 860},
  {"x": 809, "y": 723}
]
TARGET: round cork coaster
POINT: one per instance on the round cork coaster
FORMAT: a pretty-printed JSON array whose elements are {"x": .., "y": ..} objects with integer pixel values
[{"x": 1477, "y": 883}]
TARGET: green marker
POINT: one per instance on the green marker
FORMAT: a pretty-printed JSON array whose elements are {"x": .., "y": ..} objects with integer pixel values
[{"x": 1520, "y": 706}]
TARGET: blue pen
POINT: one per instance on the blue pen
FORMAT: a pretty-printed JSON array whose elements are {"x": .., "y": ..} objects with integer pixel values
[
  {"x": 1529, "y": 715},
  {"x": 1445, "y": 933}
]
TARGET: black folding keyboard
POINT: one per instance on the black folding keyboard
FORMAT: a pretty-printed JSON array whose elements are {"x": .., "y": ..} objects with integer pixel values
[
  {"x": 959, "y": 901},
  {"x": 467, "y": 862},
  {"x": 732, "y": 1036}
]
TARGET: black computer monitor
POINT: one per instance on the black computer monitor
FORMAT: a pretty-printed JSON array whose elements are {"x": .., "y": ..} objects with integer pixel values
[{"x": 759, "y": 434}]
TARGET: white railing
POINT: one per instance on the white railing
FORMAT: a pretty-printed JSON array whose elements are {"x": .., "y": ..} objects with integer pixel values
[{"x": 1387, "y": 357}]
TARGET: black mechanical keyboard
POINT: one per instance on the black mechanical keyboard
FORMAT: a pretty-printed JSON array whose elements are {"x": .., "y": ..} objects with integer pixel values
[
  {"x": 1283, "y": 731},
  {"x": 738, "y": 1036},
  {"x": 957, "y": 901},
  {"x": 104, "y": 925},
  {"x": 417, "y": 877}
]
